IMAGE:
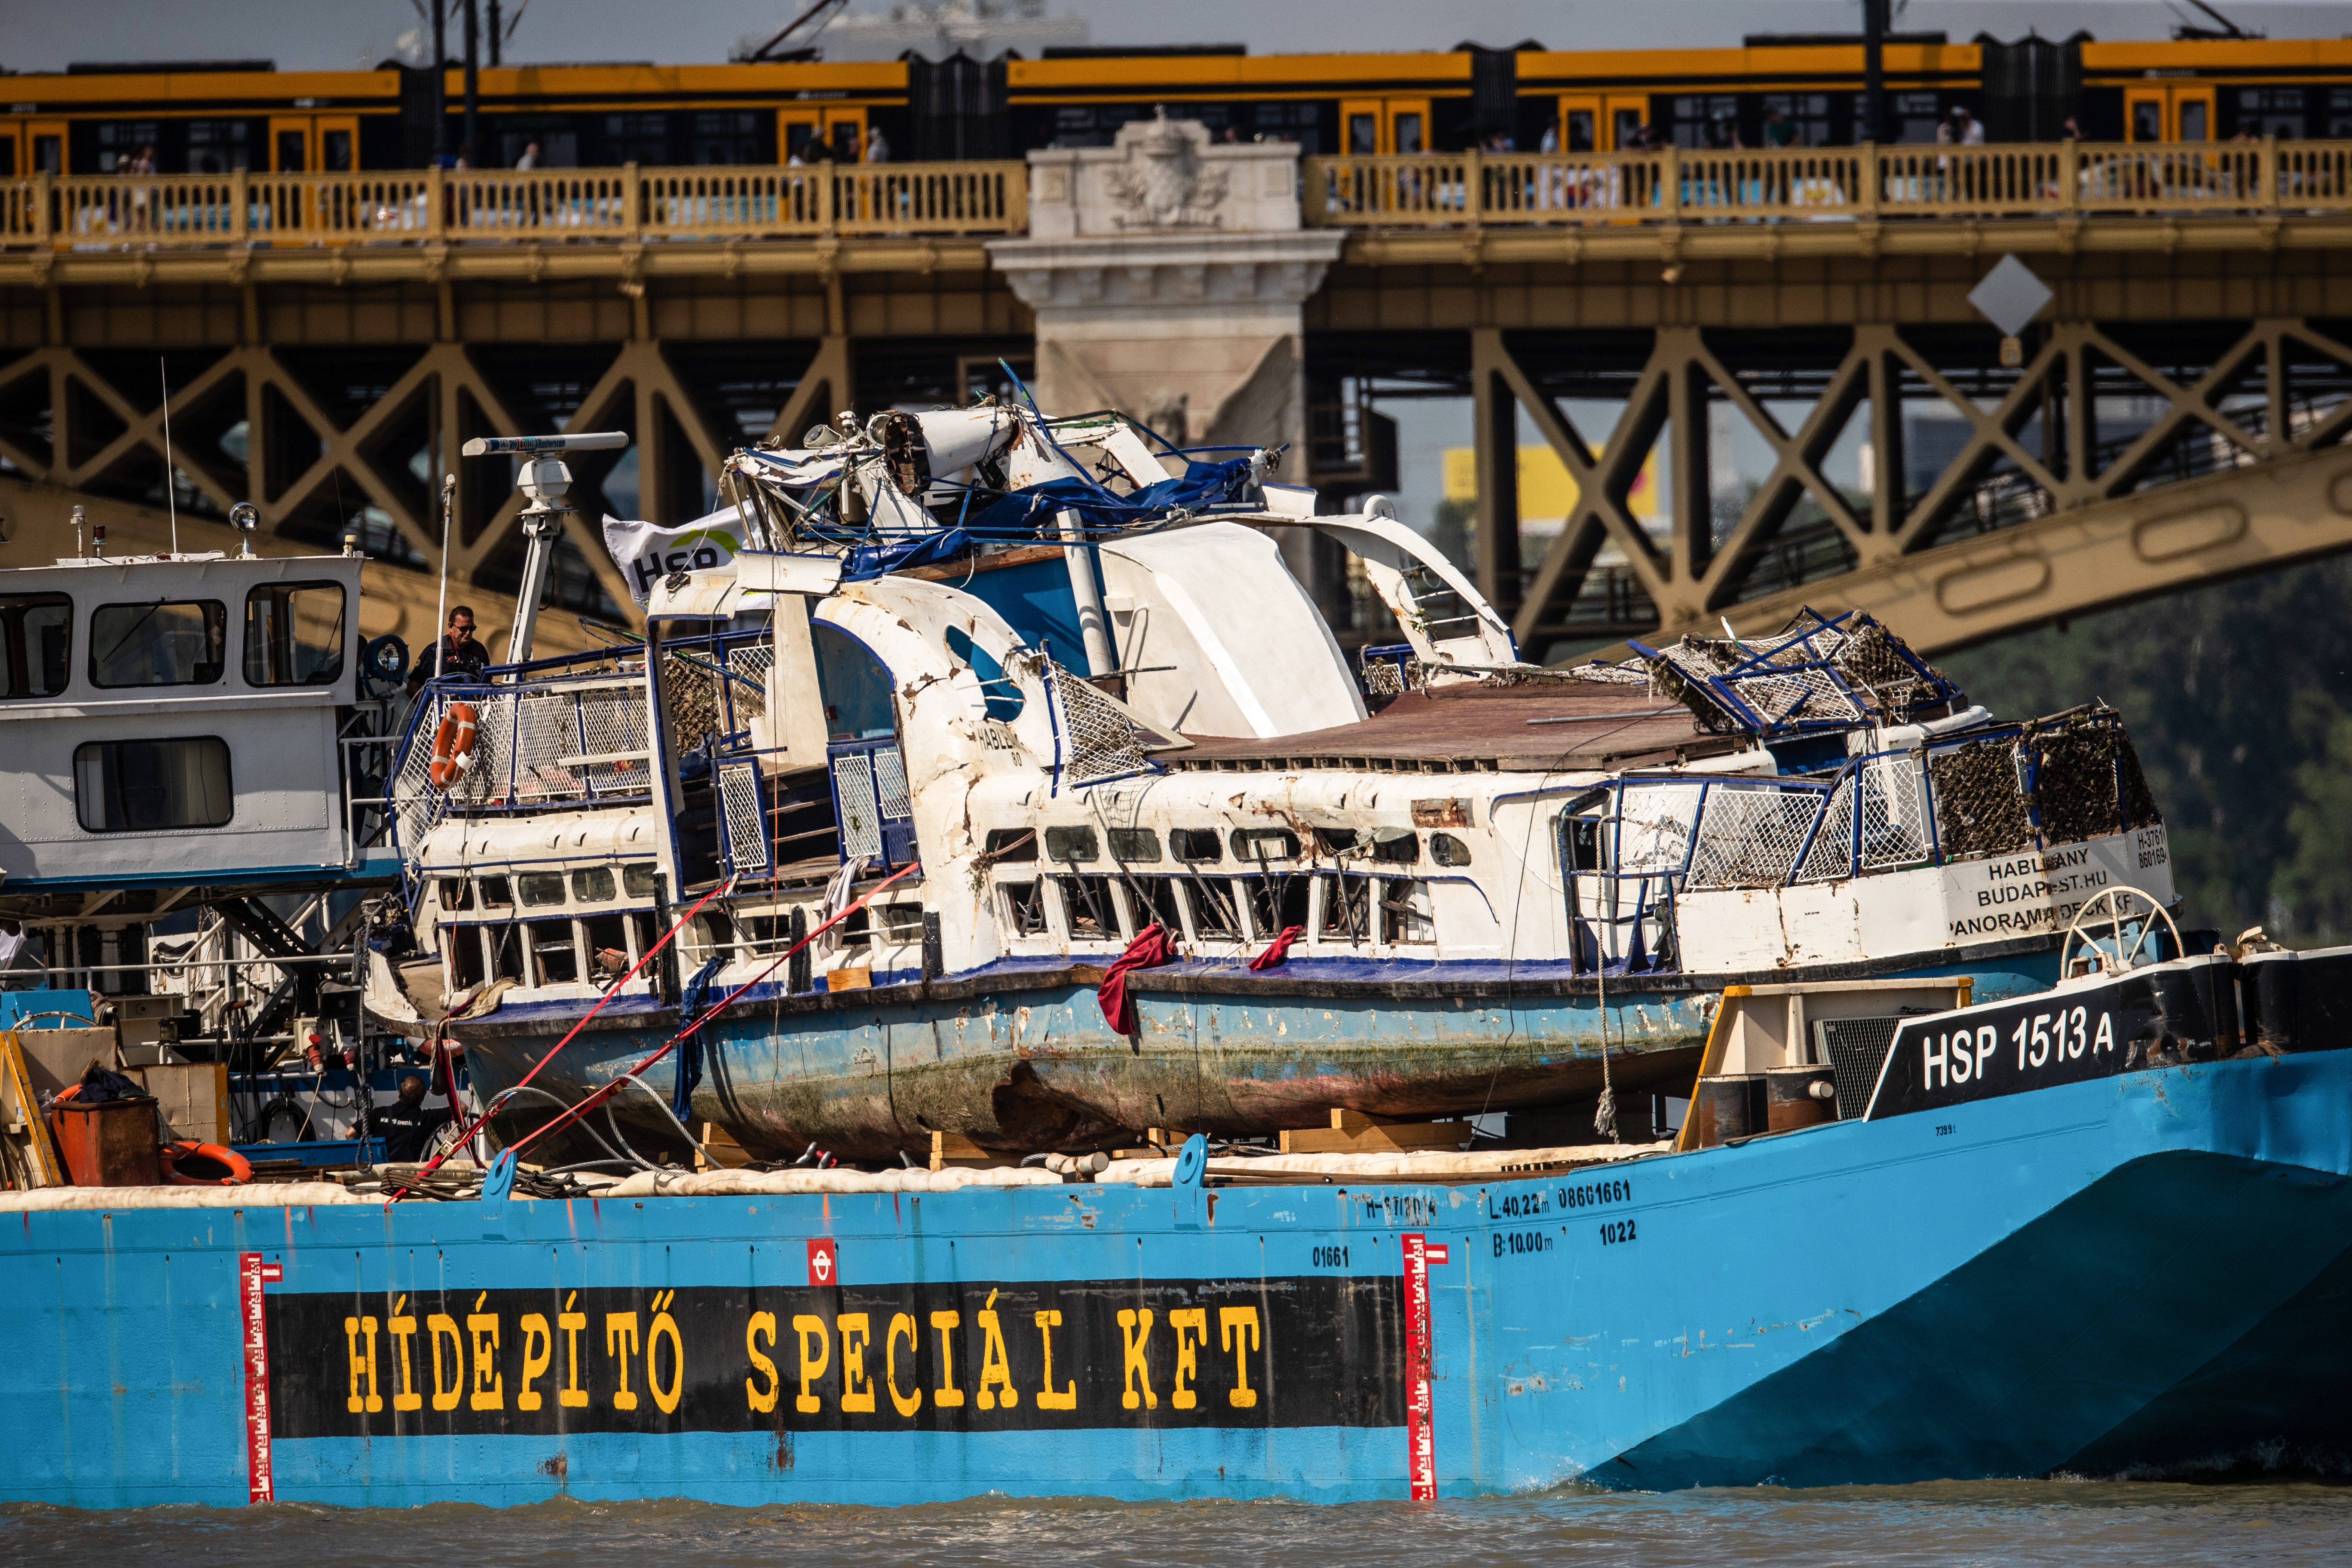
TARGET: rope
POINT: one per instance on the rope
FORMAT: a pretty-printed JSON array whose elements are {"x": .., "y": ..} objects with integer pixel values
[
  {"x": 597, "y": 1096},
  {"x": 614, "y": 990}
]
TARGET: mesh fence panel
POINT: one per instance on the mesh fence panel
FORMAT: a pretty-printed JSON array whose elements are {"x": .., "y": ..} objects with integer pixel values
[
  {"x": 692, "y": 682},
  {"x": 1749, "y": 837},
  {"x": 1655, "y": 827},
  {"x": 1831, "y": 855},
  {"x": 547, "y": 729},
  {"x": 739, "y": 794},
  {"x": 416, "y": 804},
  {"x": 1810, "y": 694},
  {"x": 890, "y": 784},
  {"x": 1894, "y": 814},
  {"x": 861, "y": 824},
  {"x": 1097, "y": 739},
  {"x": 491, "y": 776},
  {"x": 613, "y": 729},
  {"x": 1979, "y": 808}
]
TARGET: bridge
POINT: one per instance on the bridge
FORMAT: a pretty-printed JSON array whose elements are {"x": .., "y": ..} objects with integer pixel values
[{"x": 2175, "y": 414}]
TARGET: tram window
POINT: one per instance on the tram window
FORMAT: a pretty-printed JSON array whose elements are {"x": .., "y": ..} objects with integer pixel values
[
  {"x": 1408, "y": 133},
  {"x": 2193, "y": 120},
  {"x": 2339, "y": 114},
  {"x": 1197, "y": 846},
  {"x": 1579, "y": 130},
  {"x": 2269, "y": 112},
  {"x": 7, "y": 153},
  {"x": 1916, "y": 115},
  {"x": 36, "y": 644},
  {"x": 1804, "y": 119},
  {"x": 594, "y": 884},
  {"x": 1073, "y": 846},
  {"x": 637, "y": 879},
  {"x": 2148, "y": 121},
  {"x": 167, "y": 643},
  {"x": 49, "y": 155},
  {"x": 1364, "y": 134},
  {"x": 294, "y": 634},
  {"x": 1627, "y": 123},
  {"x": 540, "y": 888},
  {"x": 120, "y": 141},
  {"x": 1710, "y": 120},
  {"x": 289, "y": 152},
  {"x": 1264, "y": 843},
  {"x": 335, "y": 152},
  {"x": 215, "y": 146},
  {"x": 1135, "y": 845},
  {"x": 141, "y": 786}
]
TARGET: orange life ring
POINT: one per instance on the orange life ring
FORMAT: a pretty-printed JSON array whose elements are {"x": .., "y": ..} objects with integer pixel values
[
  {"x": 453, "y": 746},
  {"x": 239, "y": 1169}
]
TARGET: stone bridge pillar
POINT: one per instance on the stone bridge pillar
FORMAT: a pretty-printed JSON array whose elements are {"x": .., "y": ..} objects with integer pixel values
[{"x": 1168, "y": 276}]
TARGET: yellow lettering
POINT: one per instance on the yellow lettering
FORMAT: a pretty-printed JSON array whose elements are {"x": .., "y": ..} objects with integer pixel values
[
  {"x": 948, "y": 1395},
  {"x": 574, "y": 1395},
  {"x": 1237, "y": 1332},
  {"x": 901, "y": 1326},
  {"x": 438, "y": 1327},
  {"x": 621, "y": 1344},
  {"x": 538, "y": 1355},
  {"x": 1047, "y": 1322},
  {"x": 995, "y": 1366},
  {"x": 817, "y": 1354},
  {"x": 1191, "y": 1326},
  {"x": 489, "y": 1392},
  {"x": 1134, "y": 1329},
  {"x": 856, "y": 1388},
  {"x": 365, "y": 1395},
  {"x": 403, "y": 1329},
  {"x": 762, "y": 1324},
  {"x": 663, "y": 1327}
]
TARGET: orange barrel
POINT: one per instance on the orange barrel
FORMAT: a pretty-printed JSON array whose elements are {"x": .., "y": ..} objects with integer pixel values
[{"x": 113, "y": 1144}]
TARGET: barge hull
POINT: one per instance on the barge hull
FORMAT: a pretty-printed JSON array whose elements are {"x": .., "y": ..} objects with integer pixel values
[{"x": 2017, "y": 1285}]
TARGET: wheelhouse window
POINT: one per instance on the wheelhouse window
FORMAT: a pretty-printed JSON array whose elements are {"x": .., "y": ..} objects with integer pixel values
[
  {"x": 294, "y": 634},
  {"x": 144, "y": 786},
  {"x": 168, "y": 642},
  {"x": 36, "y": 644}
]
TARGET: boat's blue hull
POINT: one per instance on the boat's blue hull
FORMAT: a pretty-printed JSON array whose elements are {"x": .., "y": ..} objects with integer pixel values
[{"x": 2142, "y": 1271}]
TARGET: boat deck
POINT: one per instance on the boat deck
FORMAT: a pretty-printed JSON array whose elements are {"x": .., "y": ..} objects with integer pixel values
[{"x": 1540, "y": 726}]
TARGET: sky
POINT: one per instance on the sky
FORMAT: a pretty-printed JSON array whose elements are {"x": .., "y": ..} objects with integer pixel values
[{"x": 345, "y": 33}]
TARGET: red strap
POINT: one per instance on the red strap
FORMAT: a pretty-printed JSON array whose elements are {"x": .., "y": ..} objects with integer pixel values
[{"x": 1279, "y": 949}]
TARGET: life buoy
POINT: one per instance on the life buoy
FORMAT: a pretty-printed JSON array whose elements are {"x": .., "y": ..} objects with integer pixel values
[
  {"x": 453, "y": 746},
  {"x": 235, "y": 1168}
]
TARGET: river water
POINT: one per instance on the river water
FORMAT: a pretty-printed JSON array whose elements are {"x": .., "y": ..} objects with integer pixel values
[{"x": 2008, "y": 1524}]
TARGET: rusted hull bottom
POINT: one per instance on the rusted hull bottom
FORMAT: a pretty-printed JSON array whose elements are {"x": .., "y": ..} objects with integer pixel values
[{"x": 1039, "y": 1069}]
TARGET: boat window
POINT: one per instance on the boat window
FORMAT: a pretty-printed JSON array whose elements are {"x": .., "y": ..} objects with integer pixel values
[
  {"x": 1136, "y": 846},
  {"x": 167, "y": 643},
  {"x": 1197, "y": 846},
  {"x": 294, "y": 634},
  {"x": 552, "y": 950},
  {"x": 1588, "y": 847},
  {"x": 1264, "y": 843},
  {"x": 1011, "y": 844},
  {"x": 1448, "y": 850},
  {"x": 1087, "y": 913},
  {"x": 36, "y": 644},
  {"x": 637, "y": 879},
  {"x": 1347, "y": 908},
  {"x": 608, "y": 947},
  {"x": 901, "y": 922},
  {"x": 1407, "y": 915},
  {"x": 456, "y": 894},
  {"x": 141, "y": 787},
  {"x": 854, "y": 686},
  {"x": 1277, "y": 904},
  {"x": 506, "y": 953},
  {"x": 1073, "y": 846},
  {"x": 540, "y": 887},
  {"x": 710, "y": 935},
  {"x": 496, "y": 892},
  {"x": 465, "y": 947},
  {"x": 1338, "y": 840},
  {"x": 1024, "y": 908},
  {"x": 1150, "y": 899},
  {"x": 1215, "y": 918},
  {"x": 594, "y": 884},
  {"x": 1396, "y": 846}
]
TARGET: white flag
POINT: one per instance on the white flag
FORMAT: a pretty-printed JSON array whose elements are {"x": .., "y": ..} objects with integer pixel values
[{"x": 646, "y": 554}]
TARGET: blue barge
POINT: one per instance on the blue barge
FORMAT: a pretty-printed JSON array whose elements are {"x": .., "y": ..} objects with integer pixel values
[{"x": 2101, "y": 1229}]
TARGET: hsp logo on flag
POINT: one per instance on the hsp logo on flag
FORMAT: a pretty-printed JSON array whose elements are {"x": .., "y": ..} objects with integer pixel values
[{"x": 646, "y": 554}]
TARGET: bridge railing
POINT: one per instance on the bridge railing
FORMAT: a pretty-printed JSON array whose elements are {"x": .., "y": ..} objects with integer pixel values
[
  {"x": 1478, "y": 189},
  {"x": 711, "y": 202}
]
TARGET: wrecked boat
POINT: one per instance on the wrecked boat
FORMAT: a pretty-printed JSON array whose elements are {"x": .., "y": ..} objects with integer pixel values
[{"x": 1039, "y": 701}]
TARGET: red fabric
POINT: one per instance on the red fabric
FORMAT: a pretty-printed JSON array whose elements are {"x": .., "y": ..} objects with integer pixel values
[
  {"x": 1149, "y": 949},
  {"x": 1279, "y": 949}
]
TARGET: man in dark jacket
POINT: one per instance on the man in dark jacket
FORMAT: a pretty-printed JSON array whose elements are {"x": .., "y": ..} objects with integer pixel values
[
  {"x": 406, "y": 1126},
  {"x": 458, "y": 654}
]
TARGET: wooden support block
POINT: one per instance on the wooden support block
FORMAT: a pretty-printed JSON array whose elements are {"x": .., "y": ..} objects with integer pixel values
[
  {"x": 1378, "y": 1137},
  {"x": 956, "y": 1147},
  {"x": 724, "y": 1153},
  {"x": 849, "y": 979}
]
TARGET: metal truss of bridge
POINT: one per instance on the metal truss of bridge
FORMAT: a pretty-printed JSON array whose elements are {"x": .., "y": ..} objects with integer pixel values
[{"x": 2179, "y": 411}]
